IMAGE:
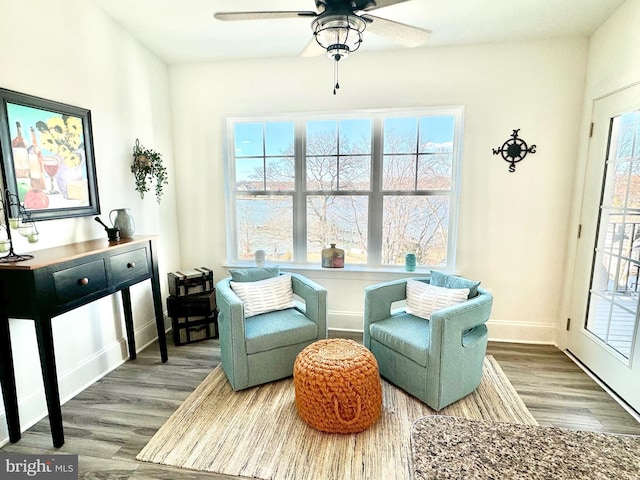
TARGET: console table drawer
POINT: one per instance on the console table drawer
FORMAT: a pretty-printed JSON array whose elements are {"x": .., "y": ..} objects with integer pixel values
[
  {"x": 129, "y": 266},
  {"x": 79, "y": 281}
]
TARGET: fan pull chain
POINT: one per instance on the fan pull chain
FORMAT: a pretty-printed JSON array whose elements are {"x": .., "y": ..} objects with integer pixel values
[{"x": 335, "y": 74}]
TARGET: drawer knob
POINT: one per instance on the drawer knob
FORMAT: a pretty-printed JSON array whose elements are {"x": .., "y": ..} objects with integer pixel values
[
  {"x": 83, "y": 281},
  {"x": 131, "y": 265}
]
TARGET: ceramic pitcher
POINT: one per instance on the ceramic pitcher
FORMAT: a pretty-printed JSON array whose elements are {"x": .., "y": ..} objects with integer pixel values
[{"x": 123, "y": 221}]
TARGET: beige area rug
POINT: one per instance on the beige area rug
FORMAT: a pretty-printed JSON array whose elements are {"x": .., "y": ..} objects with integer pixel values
[{"x": 257, "y": 432}]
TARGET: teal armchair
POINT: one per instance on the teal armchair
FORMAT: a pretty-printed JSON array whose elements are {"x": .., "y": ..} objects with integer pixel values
[
  {"x": 438, "y": 360},
  {"x": 262, "y": 348}
]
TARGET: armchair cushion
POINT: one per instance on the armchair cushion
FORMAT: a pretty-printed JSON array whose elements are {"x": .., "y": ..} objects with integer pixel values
[
  {"x": 424, "y": 299},
  {"x": 440, "y": 279},
  {"x": 406, "y": 334},
  {"x": 265, "y": 295},
  {"x": 278, "y": 329},
  {"x": 253, "y": 274}
]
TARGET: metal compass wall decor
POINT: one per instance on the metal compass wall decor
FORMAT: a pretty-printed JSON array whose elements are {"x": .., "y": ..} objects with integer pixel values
[{"x": 514, "y": 150}]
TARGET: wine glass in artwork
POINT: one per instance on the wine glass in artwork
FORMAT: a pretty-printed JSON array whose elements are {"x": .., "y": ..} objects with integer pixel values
[{"x": 50, "y": 164}]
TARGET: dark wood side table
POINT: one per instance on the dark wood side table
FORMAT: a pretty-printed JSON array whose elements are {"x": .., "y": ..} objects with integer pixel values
[{"x": 61, "y": 279}]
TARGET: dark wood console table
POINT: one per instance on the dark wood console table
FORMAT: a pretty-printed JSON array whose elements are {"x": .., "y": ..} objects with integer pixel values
[{"x": 58, "y": 280}]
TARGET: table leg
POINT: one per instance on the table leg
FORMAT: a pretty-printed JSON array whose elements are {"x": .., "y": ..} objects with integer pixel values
[
  {"x": 8, "y": 380},
  {"x": 128, "y": 322},
  {"x": 44, "y": 335},
  {"x": 157, "y": 304}
]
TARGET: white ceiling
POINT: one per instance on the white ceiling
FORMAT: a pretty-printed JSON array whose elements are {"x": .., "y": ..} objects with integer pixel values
[{"x": 183, "y": 31}]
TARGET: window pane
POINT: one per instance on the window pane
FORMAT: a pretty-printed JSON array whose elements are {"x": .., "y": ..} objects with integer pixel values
[
  {"x": 337, "y": 219},
  {"x": 279, "y": 138},
  {"x": 322, "y": 173},
  {"x": 322, "y": 137},
  {"x": 620, "y": 173},
  {"x": 399, "y": 172},
  {"x": 248, "y": 139},
  {"x": 637, "y": 140},
  {"x": 355, "y": 173},
  {"x": 264, "y": 223},
  {"x": 626, "y": 135},
  {"x": 355, "y": 136},
  {"x": 249, "y": 174},
  {"x": 280, "y": 174},
  {"x": 434, "y": 171},
  {"x": 400, "y": 135},
  {"x": 436, "y": 134},
  {"x": 633, "y": 201},
  {"x": 416, "y": 224}
]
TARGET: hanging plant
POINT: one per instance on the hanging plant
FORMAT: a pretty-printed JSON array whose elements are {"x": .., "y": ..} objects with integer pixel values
[{"x": 147, "y": 168}]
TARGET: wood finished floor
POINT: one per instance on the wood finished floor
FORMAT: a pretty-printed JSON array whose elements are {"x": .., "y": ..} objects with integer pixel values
[{"x": 110, "y": 422}]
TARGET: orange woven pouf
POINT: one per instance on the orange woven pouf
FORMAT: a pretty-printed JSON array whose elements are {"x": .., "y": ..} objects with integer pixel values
[{"x": 337, "y": 386}]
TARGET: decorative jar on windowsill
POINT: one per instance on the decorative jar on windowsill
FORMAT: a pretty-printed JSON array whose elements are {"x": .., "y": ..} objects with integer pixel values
[
  {"x": 410, "y": 262},
  {"x": 332, "y": 257}
]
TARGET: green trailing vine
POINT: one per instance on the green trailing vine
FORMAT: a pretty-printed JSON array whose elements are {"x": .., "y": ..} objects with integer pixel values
[{"x": 147, "y": 168}]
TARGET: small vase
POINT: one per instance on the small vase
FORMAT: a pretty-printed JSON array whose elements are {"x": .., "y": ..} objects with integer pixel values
[
  {"x": 332, "y": 257},
  {"x": 260, "y": 256},
  {"x": 124, "y": 222},
  {"x": 410, "y": 262}
]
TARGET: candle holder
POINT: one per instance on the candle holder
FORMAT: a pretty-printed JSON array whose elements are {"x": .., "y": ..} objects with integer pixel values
[{"x": 15, "y": 217}]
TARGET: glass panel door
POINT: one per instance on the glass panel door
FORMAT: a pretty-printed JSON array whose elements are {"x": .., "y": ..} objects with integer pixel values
[
  {"x": 606, "y": 291},
  {"x": 613, "y": 301}
]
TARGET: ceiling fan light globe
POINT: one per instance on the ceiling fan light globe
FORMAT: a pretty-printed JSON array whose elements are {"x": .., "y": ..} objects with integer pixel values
[{"x": 338, "y": 34}]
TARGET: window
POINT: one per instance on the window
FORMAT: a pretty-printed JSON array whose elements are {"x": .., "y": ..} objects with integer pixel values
[{"x": 377, "y": 184}]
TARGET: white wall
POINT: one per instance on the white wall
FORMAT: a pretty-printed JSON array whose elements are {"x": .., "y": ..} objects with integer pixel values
[
  {"x": 512, "y": 227},
  {"x": 69, "y": 51},
  {"x": 613, "y": 64}
]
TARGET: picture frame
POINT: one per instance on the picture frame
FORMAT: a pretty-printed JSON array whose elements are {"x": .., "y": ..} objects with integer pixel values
[{"x": 47, "y": 156}]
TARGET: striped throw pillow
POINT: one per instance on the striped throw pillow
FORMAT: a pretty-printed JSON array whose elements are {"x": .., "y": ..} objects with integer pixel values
[
  {"x": 423, "y": 299},
  {"x": 265, "y": 295}
]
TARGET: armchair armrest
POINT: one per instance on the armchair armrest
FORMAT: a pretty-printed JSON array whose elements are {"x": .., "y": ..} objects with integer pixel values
[
  {"x": 449, "y": 323},
  {"x": 315, "y": 297},
  {"x": 231, "y": 313},
  {"x": 468, "y": 314}
]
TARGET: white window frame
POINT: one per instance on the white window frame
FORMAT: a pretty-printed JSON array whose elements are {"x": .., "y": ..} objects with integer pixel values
[{"x": 375, "y": 192}]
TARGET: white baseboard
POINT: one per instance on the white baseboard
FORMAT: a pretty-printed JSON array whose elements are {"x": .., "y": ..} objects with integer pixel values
[
  {"x": 350, "y": 321},
  {"x": 33, "y": 408},
  {"x": 517, "y": 332}
]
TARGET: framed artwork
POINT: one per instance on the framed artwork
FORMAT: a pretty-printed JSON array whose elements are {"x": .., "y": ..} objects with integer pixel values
[{"x": 47, "y": 156}]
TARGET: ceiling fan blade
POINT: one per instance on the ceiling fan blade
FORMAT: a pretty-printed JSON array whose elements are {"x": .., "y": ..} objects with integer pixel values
[
  {"x": 233, "y": 16},
  {"x": 380, "y": 4},
  {"x": 401, "y": 33},
  {"x": 312, "y": 49}
]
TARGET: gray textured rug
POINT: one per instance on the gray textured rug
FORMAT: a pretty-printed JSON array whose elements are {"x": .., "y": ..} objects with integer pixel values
[{"x": 459, "y": 448}]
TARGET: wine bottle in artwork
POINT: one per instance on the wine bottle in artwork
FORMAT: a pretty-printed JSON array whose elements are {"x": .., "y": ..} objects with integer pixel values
[
  {"x": 20, "y": 154},
  {"x": 35, "y": 164}
]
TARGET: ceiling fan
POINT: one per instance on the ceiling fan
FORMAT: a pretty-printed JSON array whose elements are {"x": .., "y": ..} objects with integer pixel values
[{"x": 338, "y": 25}]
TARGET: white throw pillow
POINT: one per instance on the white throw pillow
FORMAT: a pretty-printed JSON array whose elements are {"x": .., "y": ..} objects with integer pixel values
[
  {"x": 265, "y": 295},
  {"x": 423, "y": 299}
]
